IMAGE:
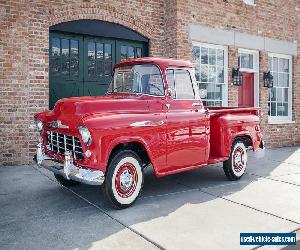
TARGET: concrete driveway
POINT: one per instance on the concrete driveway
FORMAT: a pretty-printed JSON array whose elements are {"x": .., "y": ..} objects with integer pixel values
[{"x": 198, "y": 209}]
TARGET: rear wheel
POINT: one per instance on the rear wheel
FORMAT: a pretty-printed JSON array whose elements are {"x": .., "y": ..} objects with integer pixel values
[
  {"x": 65, "y": 182},
  {"x": 124, "y": 179},
  {"x": 235, "y": 166}
]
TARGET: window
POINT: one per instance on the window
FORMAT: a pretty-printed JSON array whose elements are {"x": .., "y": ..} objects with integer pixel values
[
  {"x": 144, "y": 79},
  {"x": 250, "y": 2},
  {"x": 99, "y": 59},
  {"x": 280, "y": 96},
  {"x": 130, "y": 52},
  {"x": 179, "y": 81},
  {"x": 211, "y": 69},
  {"x": 64, "y": 58},
  {"x": 246, "y": 61}
]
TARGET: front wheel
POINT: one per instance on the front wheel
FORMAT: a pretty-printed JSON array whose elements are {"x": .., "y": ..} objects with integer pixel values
[
  {"x": 235, "y": 166},
  {"x": 124, "y": 179}
]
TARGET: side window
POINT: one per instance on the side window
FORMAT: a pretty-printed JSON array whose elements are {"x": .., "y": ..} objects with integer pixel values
[{"x": 183, "y": 85}]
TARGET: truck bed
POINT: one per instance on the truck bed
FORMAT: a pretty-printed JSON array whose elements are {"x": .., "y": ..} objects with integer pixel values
[{"x": 226, "y": 122}]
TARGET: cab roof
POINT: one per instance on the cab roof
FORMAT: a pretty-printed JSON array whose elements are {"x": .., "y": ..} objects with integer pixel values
[{"x": 161, "y": 62}]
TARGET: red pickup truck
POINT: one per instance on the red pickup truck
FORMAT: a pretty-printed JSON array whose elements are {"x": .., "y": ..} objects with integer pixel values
[{"x": 152, "y": 115}]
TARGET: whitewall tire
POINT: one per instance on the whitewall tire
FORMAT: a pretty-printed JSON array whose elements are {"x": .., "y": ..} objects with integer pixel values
[
  {"x": 236, "y": 165},
  {"x": 124, "y": 179}
]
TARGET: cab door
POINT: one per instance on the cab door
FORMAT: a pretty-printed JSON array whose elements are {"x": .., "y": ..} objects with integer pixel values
[{"x": 187, "y": 123}]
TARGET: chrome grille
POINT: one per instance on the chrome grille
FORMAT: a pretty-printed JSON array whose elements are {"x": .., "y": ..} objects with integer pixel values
[{"x": 60, "y": 143}]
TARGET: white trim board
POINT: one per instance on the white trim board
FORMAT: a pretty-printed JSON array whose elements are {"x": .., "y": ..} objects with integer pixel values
[{"x": 243, "y": 40}]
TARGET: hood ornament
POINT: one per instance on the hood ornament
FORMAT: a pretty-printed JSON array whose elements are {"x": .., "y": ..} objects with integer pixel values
[{"x": 57, "y": 124}]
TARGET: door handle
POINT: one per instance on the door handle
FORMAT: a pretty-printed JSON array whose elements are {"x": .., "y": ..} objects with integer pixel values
[{"x": 196, "y": 104}]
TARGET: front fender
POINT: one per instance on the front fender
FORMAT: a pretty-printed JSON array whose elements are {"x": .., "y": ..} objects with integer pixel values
[{"x": 108, "y": 144}]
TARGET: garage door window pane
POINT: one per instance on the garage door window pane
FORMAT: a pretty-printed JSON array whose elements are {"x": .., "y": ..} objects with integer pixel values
[
  {"x": 130, "y": 52},
  {"x": 74, "y": 67},
  {"x": 74, "y": 48},
  {"x": 107, "y": 51},
  {"x": 91, "y": 59},
  {"x": 123, "y": 52},
  {"x": 55, "y": 46},
  {"x": 100, "y": 51},
  {"x": 138, "y": 52},
  {"x": 65, "y": 47},
  {"x": 55, "y": 64}
]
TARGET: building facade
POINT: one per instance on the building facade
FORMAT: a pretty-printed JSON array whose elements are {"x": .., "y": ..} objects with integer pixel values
[{"x": 55, "y": 49}]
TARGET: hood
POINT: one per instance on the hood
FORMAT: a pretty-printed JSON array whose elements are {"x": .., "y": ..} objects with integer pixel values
[
  {"x": 84, "y": 106},
  {"x": 73, "y": 111}
]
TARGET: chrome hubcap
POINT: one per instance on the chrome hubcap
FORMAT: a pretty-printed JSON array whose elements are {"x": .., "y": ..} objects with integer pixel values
[
  {"x": 238, "y": 158},
  {"x": 126, "y": 180}
]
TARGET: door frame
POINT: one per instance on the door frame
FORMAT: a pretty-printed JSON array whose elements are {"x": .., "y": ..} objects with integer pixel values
[{"x": 255, "y": 70}]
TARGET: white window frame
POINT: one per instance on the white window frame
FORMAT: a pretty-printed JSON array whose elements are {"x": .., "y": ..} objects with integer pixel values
[
  {"x": 284, "y": 119},
  {"x": 255, "y": 70},
  {"x": 225, "y": 48}
]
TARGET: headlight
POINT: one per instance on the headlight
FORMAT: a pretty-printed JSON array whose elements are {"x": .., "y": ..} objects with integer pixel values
[
  {"x": 85, "y": 135},
  {"x": 39, "y": 125}
]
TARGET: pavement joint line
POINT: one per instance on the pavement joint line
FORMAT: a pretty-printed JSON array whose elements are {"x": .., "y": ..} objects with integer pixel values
[
  {"x": 272, "y": 178},
  {"x": 282, "y": 175},
  {"x": 107, "y": 214},
  {"x": 45, "y": 216},
  {"x": 244, "y": 205}
]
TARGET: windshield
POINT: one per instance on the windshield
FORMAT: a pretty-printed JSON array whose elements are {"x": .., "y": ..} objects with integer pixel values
[{"x": 144, "y": 79}]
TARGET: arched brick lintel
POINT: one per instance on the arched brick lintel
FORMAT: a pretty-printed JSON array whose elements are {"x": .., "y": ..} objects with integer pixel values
[{"x": 103, "y": 12}]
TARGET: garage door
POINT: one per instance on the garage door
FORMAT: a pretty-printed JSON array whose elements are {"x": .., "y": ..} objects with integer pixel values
[{"x": 82, "y": 65}]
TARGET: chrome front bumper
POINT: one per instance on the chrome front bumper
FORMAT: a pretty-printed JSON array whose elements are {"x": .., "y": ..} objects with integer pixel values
[{"x": 67, "y": 169}]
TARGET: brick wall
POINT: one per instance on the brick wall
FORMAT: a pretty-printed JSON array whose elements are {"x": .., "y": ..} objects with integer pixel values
[
  {"x": 24, "y": 60},
  {"x": 24, "y": 27},
  {"x": 272, "y": 19}
]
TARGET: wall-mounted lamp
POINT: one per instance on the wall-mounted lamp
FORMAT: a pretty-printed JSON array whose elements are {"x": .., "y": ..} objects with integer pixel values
[
  {"x": 237, "y": 77},
  {"x": 268, "y": 80}
]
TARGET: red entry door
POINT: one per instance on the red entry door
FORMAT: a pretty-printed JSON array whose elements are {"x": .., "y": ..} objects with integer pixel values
[{"x": 246, "y": 91}]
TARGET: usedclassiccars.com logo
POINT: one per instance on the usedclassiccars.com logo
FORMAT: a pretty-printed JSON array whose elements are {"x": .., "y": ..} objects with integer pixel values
[{"x": 267, "y": 238}]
